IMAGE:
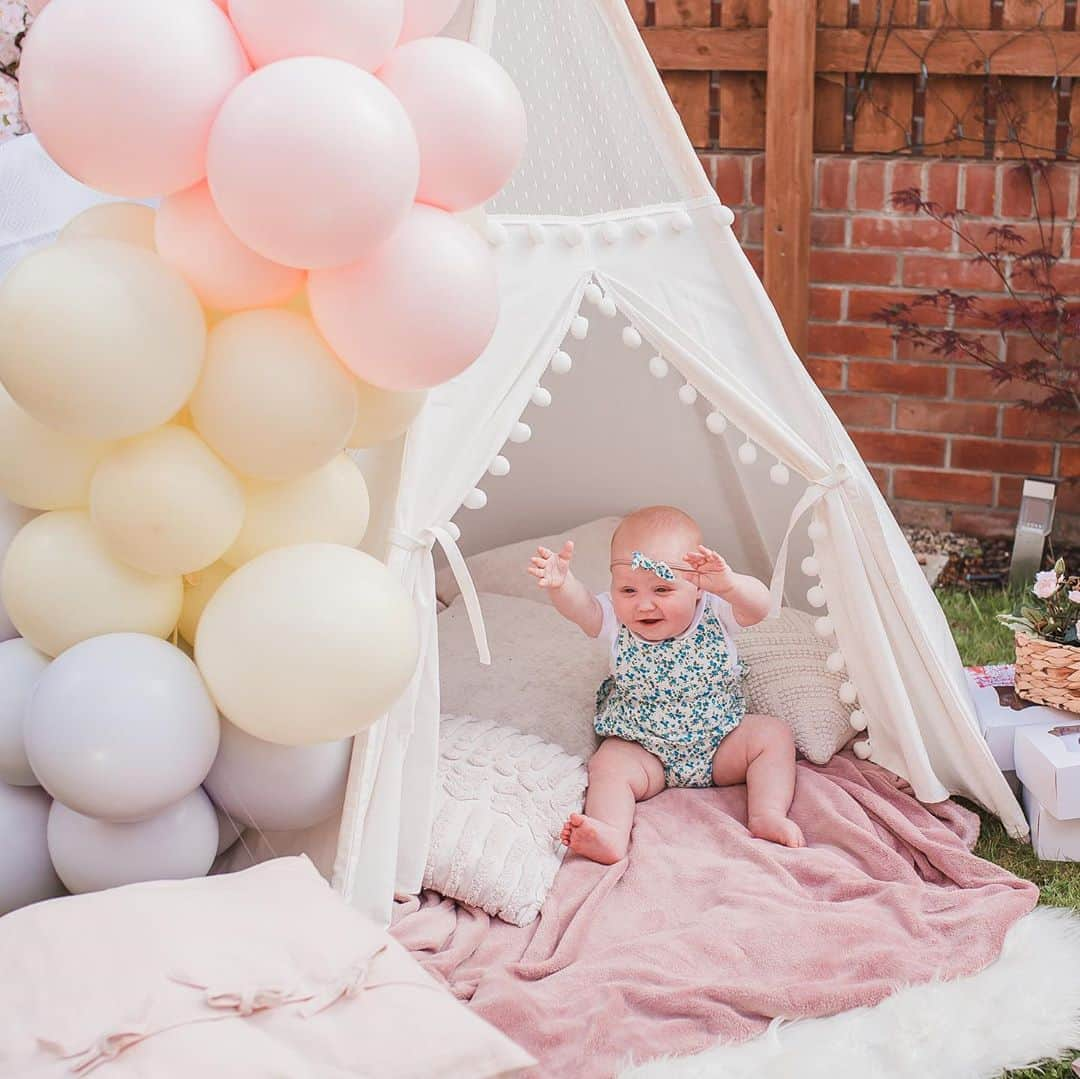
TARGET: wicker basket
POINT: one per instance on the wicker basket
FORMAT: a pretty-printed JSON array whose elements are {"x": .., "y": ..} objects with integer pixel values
[{"x": 1048, "y": 673}]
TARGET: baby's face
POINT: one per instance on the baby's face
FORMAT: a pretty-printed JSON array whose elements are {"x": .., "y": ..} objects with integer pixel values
[{"x": 653, "y": 608}]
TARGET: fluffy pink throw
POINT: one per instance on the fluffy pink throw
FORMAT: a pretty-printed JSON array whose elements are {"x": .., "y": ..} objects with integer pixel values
[{"x": 707, "y": 934}]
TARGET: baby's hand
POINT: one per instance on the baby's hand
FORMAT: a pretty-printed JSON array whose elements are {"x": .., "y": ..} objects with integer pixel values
[
  {"x": 708, "y": 562},
  {"x": 550, "y": 569}
]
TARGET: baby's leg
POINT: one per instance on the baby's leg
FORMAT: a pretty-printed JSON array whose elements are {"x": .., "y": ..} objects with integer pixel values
[
  {"x": 761, "y": 753},
  {"x": 621, "y": 774}
]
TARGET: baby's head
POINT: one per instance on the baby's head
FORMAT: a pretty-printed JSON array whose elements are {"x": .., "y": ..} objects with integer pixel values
[{"x": 651, "y": 605}]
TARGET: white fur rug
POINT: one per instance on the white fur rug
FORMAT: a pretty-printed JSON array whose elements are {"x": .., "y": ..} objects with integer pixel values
[{"x": 1022, "y": 1008}]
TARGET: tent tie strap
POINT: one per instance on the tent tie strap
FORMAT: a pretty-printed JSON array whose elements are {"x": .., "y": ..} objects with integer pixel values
[{"x": 426, "y": 539}]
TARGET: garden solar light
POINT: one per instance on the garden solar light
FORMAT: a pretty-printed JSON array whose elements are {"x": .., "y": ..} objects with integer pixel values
[{"x": 1032, "y": 527}]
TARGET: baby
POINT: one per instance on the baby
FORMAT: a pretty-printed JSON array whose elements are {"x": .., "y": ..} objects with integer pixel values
[{"x": 672, "y": 713}]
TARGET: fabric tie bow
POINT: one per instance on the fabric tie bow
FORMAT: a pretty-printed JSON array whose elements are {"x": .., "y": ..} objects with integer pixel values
[{"x": 661, "y": 569}]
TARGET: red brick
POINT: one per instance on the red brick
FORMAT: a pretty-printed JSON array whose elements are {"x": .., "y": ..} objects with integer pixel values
[
  {"x": 887, "y": 447},
  {"x": 1068, "y": 501},
  {"x": 864, "y": 305},
  {"x": 907, "y": 378},
  {"x": 828, "y": 374},
  {"x": 900, "y": 232},
  {"x": 1015, "y": 192},
  {"x": 843, "y": 340},
  {"x": 1024, "y": 423},
  {"x": 1009, "y": 491},
  {"x": 869, "y": 185},
  {"x": 975, "y": 383},
  {"x": 906, "y": 175},
  {"x": 881, "y": 478},
  {"x": 920, "y": 514},
  {"x": 730, "y": 180},
  {"x": 828, "y": 230},
  {"x": 861, "y": 410},
  {"x": 1069, "y": 465},
  {"x": 946, "y": 417},
  {"x": 757, "y": 180},
  {"x": 984, "y": 524},
  {"x": 833, "y": 183},
  {"x": 856, "y": 267},
  {"x": 753, "y": 226},
  {"x": 943, "y": 184},
  {"x": 930, "y": 485},
  {"x": 912, "y": 350},
  {"x": 983, "y": 313},
  {"x": 980, "y": 183},
  {"x": 1030, "y": 237},
  {"x": 997, "y": 456},
  {"x": 955, "y": 272},
  {"x": 825, "y": 303},
  {"x": 1055, "y": 192}
]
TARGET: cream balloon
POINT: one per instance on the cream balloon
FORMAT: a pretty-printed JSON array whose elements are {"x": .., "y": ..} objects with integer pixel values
[
  {"x": 165, "y": 504},
  {"x": 128, "y": 222},
  {"x": 12, "y": 519},
  {"x": 40, "y": 467},
  {"x": 101, "y": 339},
  {"x": 273, "y": 401},
  {"x": 198, "y": 588},
  {"x": 308, "y": 644},
  {"x": 382, "y": 415},
  {"x": 59, "y": 586},
  {"x": 329, "y": 505}
]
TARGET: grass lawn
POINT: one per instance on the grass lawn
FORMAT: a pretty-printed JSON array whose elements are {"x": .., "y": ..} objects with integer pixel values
[{"x": 982, "y": 639}]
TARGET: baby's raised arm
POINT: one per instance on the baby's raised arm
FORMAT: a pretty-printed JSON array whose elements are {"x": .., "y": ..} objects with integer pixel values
[
  {"x": 570, "y": 597},
  {"x": 749, "y": 597}
]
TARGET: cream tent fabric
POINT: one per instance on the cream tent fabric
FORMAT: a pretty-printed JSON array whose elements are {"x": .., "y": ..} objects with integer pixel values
[{"x": 611, "y": 193}]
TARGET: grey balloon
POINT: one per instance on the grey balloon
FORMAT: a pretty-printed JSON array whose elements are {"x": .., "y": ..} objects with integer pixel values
[
  {"x": 26, "y": 871},
  {"x": 277, "y": 788},
  {"x": 177, "y": 843},
  {"x": 21, "y": 665},
  {"x": 121, "y": 726}
]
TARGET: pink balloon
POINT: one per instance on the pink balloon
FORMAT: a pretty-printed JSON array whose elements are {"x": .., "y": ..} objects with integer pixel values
[
  {"x": 312, "y": 162},
  {"x": 361, "y": 32},
  {"x": 426, "y": 17},
  {"x": 225, "y": 274},
  {"x": 35, "y": 6},
  {"x": 468, "y": 116},
  {"x": 418, "y": 310},
  {"x": 122, "y": 93}
]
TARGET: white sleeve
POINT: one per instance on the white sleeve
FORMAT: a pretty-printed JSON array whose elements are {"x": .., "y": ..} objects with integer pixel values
[
  {"x": 725, "y": 613},
  {"x": 609, "y": 627}
]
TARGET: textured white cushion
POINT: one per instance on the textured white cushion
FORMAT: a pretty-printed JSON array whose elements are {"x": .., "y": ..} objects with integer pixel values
[
  {"x": 544, "y": 671},
  {"x": 501, "y": 801},
  {"x": 503, "y": 569},
  {"x": 788, "y": 679}
]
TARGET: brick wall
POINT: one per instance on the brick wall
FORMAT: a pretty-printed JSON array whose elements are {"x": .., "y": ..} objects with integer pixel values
[{"x": 946, "y": 447}]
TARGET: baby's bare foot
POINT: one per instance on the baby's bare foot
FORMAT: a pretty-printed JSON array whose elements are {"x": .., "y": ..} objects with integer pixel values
[
  {"x": 777, "y": 828},
  {"x": 594, "y": 839}
]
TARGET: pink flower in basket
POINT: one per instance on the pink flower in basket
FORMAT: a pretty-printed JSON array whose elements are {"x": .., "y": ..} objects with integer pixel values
[
  {"x": 1046, "y": 584},
  {"x": 1074, "y": 596}
]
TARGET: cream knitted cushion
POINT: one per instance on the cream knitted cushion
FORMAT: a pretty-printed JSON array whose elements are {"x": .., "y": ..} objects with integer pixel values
[
  {"x": 501, "y": 800},
  {"x": 788, "y": 680}
]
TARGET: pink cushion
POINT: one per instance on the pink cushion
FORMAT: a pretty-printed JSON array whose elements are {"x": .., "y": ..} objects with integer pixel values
[{"x": 260, "y": 973}]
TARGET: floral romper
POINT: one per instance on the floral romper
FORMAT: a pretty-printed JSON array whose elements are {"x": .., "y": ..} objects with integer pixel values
[{"x": 678, "y": 698}]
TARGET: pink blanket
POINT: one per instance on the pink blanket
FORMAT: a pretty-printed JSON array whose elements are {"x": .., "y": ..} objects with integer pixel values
[{"x": 705, "y": 933}]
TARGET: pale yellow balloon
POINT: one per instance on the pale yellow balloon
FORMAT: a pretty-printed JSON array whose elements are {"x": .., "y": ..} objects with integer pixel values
[
  {"x": 60, "y": 586},
  {"x": 99, "y": 338},
  {"x": 307, "y": 644},
  {"x": 128, "y": 222},
  {"x": 383, "y": 414},
  {"x": 198, "y": 588},
  {"x": 40, "y": 467},
  {"x": 329, "y": 505},
  {"x": 273, "y": 401},
  {"x": 165, "y": 504}
]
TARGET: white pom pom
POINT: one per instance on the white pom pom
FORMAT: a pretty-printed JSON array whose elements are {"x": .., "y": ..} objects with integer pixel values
[
  {"x": 824, "y": 627},
  {"x": 573, "y": 235},
  {"x": 536, "y": 233},
  {"x": 658, "y": 367},
  {"x": 611, "y": 232},
  {"x": 593, "y": 292},
  {"x": 779, "y": 474},
  {"x": 499, "y": 466},
  {"x": 716, "y": 422},
  {"x": 520, "y": 432},
  {"x": 861, "y": 749},
  {"x": 748, "y": 453},
  {"x": 561, "y": 362},
  {"x": 681, "y": 221},
  {"x": 496, "y": 233},
  {"x": 847, "y": 693},
  {"x": 857, "y": 719},
  {"x": 475, "y": 499},
  {"x": 630, "y": 337},
  {"x": 687, "y": 394},
  {"x": 816, "y": 596},
  {"x": 541, "y": 397},
  {"x": 810, "y": 567},
  {"x": 817, "y": 531},
  {"x": 579, "y": 327},
  {"x": 723, "y": 216},
  {"x": 646, "y": 226},
  {"x": 455, "y": 532},
  {"x": 835, "y": 662},
  {"x": 608, "y": 308}
]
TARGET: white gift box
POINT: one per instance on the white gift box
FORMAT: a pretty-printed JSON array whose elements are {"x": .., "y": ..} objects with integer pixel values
[
  {"x": 1048, "y": 764},
  {"x": 999, "y": 722},
  {"x": 1054, "y": 840}
]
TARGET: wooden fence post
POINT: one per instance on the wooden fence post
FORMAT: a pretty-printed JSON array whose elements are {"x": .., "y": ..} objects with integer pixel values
[{"x": 789, "y": 162}]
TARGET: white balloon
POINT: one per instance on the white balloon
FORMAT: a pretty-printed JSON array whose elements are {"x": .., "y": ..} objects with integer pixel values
[
  {"x": 21, "y": 665},
  {"x": 26, "y": 871},
  {"x": 89, "y": 855},
  {"x": 228, "y": 833},
  {"x": 12, "y": 518}
]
